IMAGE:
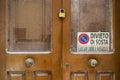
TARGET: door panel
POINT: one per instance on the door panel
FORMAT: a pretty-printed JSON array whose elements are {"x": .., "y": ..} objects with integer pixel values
[
  {"x": 29, "y": 25},
  {"x": 30, "y": 28},
  {"x": 79, "y": 75},
  {"x": 16, "y": 75},
  {"x": 83, "y": 13},
  {"x": 42, "y": 75},
  {"x": 94, "y": 18},
  {"x": 105, "y": 75}
]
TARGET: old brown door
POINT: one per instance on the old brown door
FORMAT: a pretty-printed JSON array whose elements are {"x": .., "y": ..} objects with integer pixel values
[
  {"x": 35, "y": 44},
  {"x": 91, "y": 36},
  {"x": 30, "y": 40}
]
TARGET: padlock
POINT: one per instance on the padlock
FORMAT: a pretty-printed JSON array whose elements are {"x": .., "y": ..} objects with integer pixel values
[{"x": 62, "y": 13}]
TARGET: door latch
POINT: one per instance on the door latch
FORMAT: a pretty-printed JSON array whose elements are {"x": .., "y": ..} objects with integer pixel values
[
  {"x": 93, "y": 63},
  {"x": 62, "y": 13},
  {"x": 29, "y": 62}
]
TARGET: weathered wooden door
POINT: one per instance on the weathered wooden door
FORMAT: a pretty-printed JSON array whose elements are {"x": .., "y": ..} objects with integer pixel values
[
  {"x": 35, "y": 44},
  {"x": 30, "y": 40},
  {"x": 91, "y": 40}
]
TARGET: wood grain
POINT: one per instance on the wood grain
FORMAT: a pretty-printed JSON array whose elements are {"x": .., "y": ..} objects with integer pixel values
[{"x": 79, "y": 62}]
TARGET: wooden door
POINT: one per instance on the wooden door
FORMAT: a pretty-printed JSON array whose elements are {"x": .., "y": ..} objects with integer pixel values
[
  {"x": 83, "y": 60},
  {"x": 35, "y": 43},
  {"x": 30, "y": 40}
]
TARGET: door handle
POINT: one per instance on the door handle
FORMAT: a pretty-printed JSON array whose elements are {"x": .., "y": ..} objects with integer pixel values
[
  {"x": 29, "y": 62},
  {"x": 93, "y": 63}
]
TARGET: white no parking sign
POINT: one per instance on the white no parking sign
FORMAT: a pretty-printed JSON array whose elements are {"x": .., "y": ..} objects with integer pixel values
[{"x": 93, "y": 41}]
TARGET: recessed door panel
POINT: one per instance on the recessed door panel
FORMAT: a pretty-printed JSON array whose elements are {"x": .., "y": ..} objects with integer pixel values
[
  {"x": 91, "y": 25},
  {"x": 29, "y": 25},
  {"x": 79, "y": 75},
  {"x": 105, "y": 75},
  {"x": 43, "y": 75},
  {"x": 18, "y": 75}
]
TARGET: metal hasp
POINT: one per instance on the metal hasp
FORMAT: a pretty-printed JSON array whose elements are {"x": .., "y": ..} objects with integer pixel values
[
  {"x": 93, "y": 63},
  {"x": 29, "y": 62},
  {"x": 62, "y": 13}
]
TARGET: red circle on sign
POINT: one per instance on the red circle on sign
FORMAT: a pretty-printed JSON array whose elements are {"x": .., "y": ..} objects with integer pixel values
[{"x": 83, "y": 39}]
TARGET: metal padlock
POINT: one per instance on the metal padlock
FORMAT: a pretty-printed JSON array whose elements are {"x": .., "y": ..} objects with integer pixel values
[{"x": 62, "y": 13}]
